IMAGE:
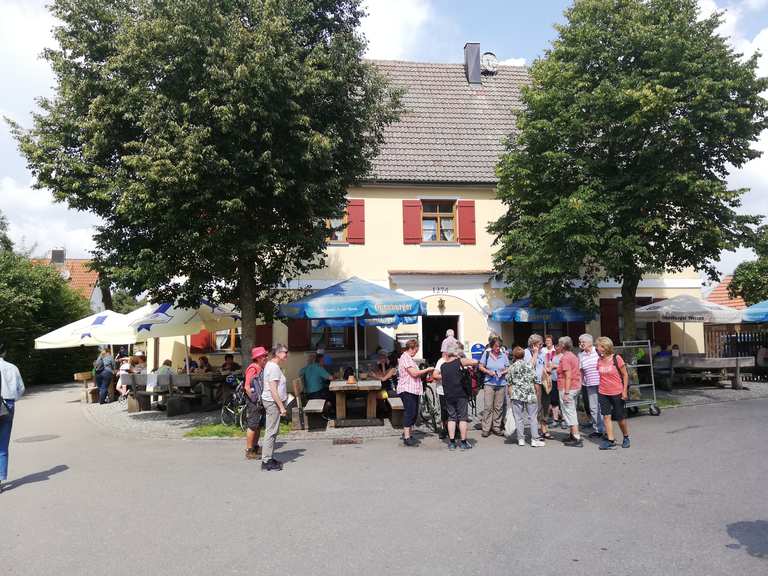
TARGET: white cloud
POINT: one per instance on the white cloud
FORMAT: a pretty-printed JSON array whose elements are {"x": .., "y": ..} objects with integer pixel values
[
  {"x": 513, "y": 62},
  {"x": 393, "y": 27},
  {"x": 25, "y": 30},
  {"x": 755, "y": 5},
  {"x": 35, "y": 220}
]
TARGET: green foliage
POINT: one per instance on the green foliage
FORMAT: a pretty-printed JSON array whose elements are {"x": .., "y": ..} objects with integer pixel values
[
  {"x": 123, "y": 302},
  {"x": 750, "y": 279},
  {"x": 213, "y": 138},
  {"x": 618, "y": 167},
  {"x": 35, "y": 299},
  {"x": 5, "y": 241}
]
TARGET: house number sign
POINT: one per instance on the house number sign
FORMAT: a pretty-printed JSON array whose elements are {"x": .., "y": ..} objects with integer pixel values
[{"x": 439, "y": 290}]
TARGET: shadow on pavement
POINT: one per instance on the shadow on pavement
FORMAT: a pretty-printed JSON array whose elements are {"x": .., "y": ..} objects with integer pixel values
[
  {"x": 35, "y": 477},
  {"x": 292, "y": 455},
  {"x": 751, "y": 535}
]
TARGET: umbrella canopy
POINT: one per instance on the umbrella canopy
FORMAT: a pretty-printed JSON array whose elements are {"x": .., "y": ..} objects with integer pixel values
[
  {"x": 83, "y": 332},
  {"x": 756, "y": 313},
  {"x": 522, "y": 311},
  {"x": 166, "y": 320},
  {"x": 353, "y": 298},
  {"x": 687, "y": 308},
  {"x": 383, "y": 321}
]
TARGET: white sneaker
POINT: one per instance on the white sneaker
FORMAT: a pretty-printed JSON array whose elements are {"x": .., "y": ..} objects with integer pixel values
[
  {"x": 536, "y": 443},
  {"x": 521, "y": 441}
]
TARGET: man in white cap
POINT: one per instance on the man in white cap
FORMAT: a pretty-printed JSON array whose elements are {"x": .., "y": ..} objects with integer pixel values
[{"x": 449, "y": 340}]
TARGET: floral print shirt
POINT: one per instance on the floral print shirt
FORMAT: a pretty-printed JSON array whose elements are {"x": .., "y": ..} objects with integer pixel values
[{"x": 521, "y": 378}]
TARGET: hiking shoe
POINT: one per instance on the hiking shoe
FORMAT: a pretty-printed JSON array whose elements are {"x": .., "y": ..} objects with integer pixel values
[
  {"x": 521, "y": 441},
  {"x": 251, "y": 454},
  {"x": 464, "y": 445},
  {"x": 485, "y": 434},
  {"x": 272, "y": 465},
  {"x": 498, "y": 433},
  {"x": 563, "y": 425},
  {"x": 410, "y": 441},
  {"x": 607, "y": 445},
  {"x": 538, "y": 443},
  {"x": 567, "y": 439},
  {"x": 574, "y": 443},
  {"x": 625, "y": 442},
  {"x": 452, "y": 445},
  {"x": 596, "y": 435}
]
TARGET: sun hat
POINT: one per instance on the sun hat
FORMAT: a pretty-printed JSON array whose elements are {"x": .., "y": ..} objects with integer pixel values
[{"x": 258, "y": 352}]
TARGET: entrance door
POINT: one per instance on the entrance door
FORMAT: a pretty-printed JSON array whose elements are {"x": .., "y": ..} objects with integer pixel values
[{"x": 434, "y": 328}]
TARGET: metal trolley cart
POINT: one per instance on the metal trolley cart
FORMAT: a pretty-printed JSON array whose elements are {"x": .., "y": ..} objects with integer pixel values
[{"x": 638, "y": 356}]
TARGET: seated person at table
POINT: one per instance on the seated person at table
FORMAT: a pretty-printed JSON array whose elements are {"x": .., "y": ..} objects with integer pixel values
[
  {"x": 203, "y": 366},
  {"x": 166, "y": 368},
  {"x": 229, "y": 364},
  {"x": 192, "y": 366},
  {"x": 383, "y": 370},
  {"x": 663, "y": 352},
  {"x": 125, "y": 367},
  {"x": 141, "y": 363},
  {"x": 316, "y": 379}
]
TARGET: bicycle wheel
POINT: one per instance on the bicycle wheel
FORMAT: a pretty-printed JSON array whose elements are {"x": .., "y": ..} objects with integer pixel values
[
  {"x": 429, "y": 408},
  {"x": 229, "y": 413},
  {"x": 243, "y": 418}
]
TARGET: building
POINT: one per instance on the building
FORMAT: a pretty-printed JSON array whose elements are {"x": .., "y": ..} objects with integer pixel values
[
  {"x": 78, "y": 275},
  {"x": 418, "y": 224}
]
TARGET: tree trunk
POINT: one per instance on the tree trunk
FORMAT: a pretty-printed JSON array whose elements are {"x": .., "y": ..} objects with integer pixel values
[
  {"x": 106, "y": 293},
  {"x": 247, "y": 286},
  {"x": 628, "y": 305}
]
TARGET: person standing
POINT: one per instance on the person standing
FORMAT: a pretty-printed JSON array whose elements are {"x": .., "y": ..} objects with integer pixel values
[
  {"x": 456, "y": 395},
  {"x": 254, "y": 409},
  {"x": 104, "y": 368},
  {"x": 522, "y": 395},
  {"x": 273, "y": 397},
  {"x": 569, "y": 385},
  {"x": 553, "y": 359},
  {"x": 438, "y": 379},
  {"x": 588, "y": 358},
  {"x": 614, "y": 391},
  {"x": 537, "y": 359},
  {"x": 494, "y": 364},
  {"x": 410, "y": 388},
  {"x": 11, "y": 389}
]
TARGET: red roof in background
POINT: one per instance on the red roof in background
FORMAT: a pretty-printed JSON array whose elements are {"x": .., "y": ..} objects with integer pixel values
[
  {"x": 80, "y": 277},
  {"x": 720, "y": 295}
]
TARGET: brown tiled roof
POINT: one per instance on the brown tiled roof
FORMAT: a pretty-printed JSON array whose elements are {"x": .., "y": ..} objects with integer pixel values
[
  {"x": 450, "y": 131},
  {"x": 80, "y": 278},
  {"x": 720, "y": 295}
]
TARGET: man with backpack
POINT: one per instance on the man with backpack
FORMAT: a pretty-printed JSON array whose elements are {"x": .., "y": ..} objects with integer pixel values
[{"x": 254, "y": 386}]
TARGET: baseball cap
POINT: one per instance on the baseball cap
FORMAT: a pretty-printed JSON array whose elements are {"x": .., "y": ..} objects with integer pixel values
[{"x": 258, "y": 352}]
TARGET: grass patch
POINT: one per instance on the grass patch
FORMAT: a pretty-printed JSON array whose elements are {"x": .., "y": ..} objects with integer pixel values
[
  {"x": 223, "y": 431},
  {"x": 667, "y": 402}
]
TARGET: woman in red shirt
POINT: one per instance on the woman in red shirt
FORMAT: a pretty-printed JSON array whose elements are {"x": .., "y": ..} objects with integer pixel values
[{"x": 613, "y": 390}]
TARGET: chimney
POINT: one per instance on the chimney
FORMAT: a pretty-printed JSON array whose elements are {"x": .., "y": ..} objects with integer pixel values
[
  {"x": 472, "y": 63},
  {"x": 58, "y": 256}
]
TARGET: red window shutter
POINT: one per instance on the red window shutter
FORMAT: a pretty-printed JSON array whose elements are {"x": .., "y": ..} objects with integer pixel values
[
  {"x": 356, "y": 220},
  {"x": 201, "y": 342},
  {"x": 576, "y": 329},
  {"x": 411, "y": 222},
  {"x": 298, "y": 334},
  {"x": 264, "y": 335},
  {"x": 466, "y": 213},
  {"x": 609, "y": 319},
  {"x": 662, "y": 331}
]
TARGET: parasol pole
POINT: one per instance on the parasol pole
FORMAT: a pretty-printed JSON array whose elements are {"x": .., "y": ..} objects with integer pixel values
[
  {"x": 186, "y": 353},
  {"x": 357, "y": 373},
  {"x": 684, "y": 338}
]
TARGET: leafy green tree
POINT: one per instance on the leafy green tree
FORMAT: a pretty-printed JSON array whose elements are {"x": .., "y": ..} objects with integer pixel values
[
  {"x": 215, "y": 139},
  {"x": 5, "y": 241},
  {"x": 123, "y": 302},
  {"x": 618, "y": 167},
  {"x": 35, "y": 299},
  {"x": 750, "y": 279}
]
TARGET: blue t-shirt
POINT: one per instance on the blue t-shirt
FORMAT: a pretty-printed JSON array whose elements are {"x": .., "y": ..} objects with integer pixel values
[
  {"x": 315, "y": 378},
  {"x": 494, "y": 364}
]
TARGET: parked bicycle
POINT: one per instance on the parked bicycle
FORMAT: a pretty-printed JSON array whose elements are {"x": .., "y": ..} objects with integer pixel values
[
  {"x": 429, "y": 409},
  {"x": 233, "y": 410}
]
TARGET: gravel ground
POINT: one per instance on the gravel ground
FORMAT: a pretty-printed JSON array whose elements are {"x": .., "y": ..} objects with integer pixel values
[{"x": 698, "y": 395}]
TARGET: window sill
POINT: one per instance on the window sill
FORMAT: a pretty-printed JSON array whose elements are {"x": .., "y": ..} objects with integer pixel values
[
  {"x": 439, "y": 244},
  {"x": 337, "y": 243}
]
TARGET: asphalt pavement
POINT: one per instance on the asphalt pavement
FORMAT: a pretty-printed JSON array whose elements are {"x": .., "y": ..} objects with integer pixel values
[{"x": 689, "y": 497}]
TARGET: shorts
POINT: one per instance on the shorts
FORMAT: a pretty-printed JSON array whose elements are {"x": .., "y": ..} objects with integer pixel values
[
  {"x": 443, "y": 408},
  {"x": 613, "y": 406},
  {"x": 457, "y": 408},
  {"x": 254, "y": 416}
]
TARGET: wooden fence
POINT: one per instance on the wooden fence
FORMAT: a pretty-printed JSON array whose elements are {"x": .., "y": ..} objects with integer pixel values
[{"x": 734, "y": 340}]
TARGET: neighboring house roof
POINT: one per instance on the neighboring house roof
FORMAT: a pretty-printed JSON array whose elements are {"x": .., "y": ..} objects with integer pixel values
[
  {"x": 450, "y": 131},
  {"x": 77, "y": 274},
  {"x": 720, "y": 295}
]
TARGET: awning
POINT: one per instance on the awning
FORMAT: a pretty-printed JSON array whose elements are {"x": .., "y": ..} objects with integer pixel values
[{"x": 522, "y": 311}]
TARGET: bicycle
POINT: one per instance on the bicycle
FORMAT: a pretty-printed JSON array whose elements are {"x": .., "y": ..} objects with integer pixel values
[
  {"x": 429, "y": 409},
  {"x": 234, "y": 410}
]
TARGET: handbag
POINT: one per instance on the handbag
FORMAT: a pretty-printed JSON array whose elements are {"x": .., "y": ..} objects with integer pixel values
[
  {"x": 509, "y": 421},
  {"x": 4, "y": 410},
  {"x": 479, "y": 374}
]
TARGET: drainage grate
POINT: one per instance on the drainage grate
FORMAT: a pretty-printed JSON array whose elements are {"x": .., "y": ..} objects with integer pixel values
[
  {"x": 342, "y": 441},
  {"x": 41, "y": 438}
]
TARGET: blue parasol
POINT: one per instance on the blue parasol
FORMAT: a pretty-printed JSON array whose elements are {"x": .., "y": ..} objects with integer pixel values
[
  {"x": 522, "y": 311},
  {"x": 756, "y": 313}
]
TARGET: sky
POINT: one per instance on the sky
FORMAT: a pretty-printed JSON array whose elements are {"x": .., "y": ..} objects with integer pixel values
[{"x": 517, "y": 31}]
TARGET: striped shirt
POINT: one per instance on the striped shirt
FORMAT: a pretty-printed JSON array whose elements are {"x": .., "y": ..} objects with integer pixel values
[
  {"x": 406, "y": 382},
  {"x": 589, "y": 371}
]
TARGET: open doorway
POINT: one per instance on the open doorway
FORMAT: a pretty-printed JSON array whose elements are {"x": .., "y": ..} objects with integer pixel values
[{"x": 433, "y": 329}]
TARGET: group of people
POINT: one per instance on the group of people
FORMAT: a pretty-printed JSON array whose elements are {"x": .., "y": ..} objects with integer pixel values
[{"x": 541, "y": 384}]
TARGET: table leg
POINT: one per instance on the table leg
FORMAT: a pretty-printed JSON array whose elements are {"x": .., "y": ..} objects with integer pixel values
[
  {"x": 737, "y": 377},
  {"x": 370, "y": 411},
  {"x": 341, "y": 405}
]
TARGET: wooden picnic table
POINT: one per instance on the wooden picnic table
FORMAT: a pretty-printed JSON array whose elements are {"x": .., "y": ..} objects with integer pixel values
[
  {"x": 369, "y": 387},
  {"x": 720, "y": 369}
]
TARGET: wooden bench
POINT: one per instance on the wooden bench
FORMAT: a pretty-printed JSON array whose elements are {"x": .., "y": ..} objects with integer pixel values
[
  {"x": 313, "y": 415},
  {"x": 396, "y": 405}
]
